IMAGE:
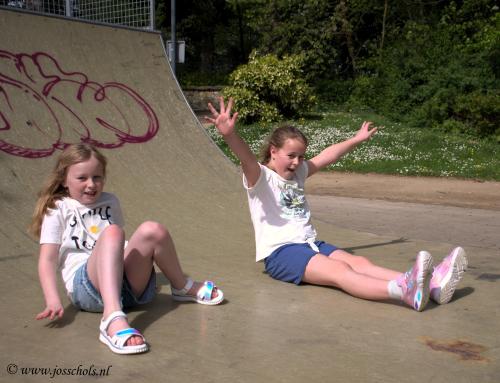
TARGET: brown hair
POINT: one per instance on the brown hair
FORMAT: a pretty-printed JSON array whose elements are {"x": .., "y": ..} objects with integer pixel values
[
  {"x": 277, "y": 139},
  {"x": 53, "y": 188}
]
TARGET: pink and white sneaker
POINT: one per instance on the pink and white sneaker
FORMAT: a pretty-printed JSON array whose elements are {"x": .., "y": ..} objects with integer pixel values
[
  {"x": 416, "y": 282},
  {"x": 447, "y": 275}
]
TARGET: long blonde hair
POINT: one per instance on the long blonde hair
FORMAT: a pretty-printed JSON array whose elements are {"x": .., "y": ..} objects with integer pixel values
[
  {"x": 54, "y": 189},
  {"x": 277, "y": 139}
]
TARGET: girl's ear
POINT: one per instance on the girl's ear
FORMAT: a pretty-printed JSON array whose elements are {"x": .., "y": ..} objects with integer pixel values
[{"x": 273, "y": 149}]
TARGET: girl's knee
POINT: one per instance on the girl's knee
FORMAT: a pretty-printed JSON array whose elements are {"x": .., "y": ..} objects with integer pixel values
[
  {"x": 360, "y": 264},
  {"x": 363, "y": 261},
  {"x": 327, "y": 270},
  {"x": 342, "y": 267},
  {"x": 113, "y": 232},
  {"x": 152, "y": 230},
  {"x": 355, "y": 261}
]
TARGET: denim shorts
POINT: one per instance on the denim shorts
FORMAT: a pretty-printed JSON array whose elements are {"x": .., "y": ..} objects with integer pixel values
[
  {"x": 86, "y": 297},
  {"x": 288, "y": 263}
]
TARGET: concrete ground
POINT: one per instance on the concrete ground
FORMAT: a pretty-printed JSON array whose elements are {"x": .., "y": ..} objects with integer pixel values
[
  {"x": 116, "y": 88},
  {"x": 463, "y": 226},
  {"x": 267, "y": 331}
]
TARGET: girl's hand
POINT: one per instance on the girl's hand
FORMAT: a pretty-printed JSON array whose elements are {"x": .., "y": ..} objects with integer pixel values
[
  {"x": 222, "y": 119},
  {"x": 51, "y": 312},
  {"x": 365, "y": 133}
]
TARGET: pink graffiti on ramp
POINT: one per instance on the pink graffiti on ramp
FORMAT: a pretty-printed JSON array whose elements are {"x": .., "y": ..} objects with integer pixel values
[{"x": 44, "y": 108}]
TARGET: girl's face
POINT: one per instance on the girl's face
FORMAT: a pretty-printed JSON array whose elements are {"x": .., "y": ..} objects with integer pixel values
[
  {"x": 85, "y": 181},
  {"x": 286, "y": 159}
]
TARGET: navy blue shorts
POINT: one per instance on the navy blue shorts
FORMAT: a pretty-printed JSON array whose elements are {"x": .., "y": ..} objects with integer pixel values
[
  {"x": 86, "y": 297},
  {"x": 288, "y": 262}
]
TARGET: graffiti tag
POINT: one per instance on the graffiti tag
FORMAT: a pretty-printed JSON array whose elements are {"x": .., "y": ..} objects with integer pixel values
[{"x": 44, "y": 108}]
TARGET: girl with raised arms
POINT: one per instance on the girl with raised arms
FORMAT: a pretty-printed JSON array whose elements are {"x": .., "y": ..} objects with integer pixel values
[{"x": 286, "y": 240}]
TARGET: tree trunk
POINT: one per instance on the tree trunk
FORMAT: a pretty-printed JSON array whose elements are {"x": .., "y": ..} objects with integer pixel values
[
  {"x": 386, "y": 5},
  {"x": 346, "y": 29}
]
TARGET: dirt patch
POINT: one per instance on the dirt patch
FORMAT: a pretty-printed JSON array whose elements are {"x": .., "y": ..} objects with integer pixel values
[{"x": 428, "y": 190}]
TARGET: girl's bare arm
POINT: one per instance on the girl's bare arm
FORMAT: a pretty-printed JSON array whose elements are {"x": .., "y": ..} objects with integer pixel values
[
  {"x": 334, "y": 152},
  {"x": 47, "y": 272},
  {"x": 225, "y": 124}
]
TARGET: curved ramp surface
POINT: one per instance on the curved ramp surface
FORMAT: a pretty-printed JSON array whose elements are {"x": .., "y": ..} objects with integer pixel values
[{"x": 63, "y": 81}]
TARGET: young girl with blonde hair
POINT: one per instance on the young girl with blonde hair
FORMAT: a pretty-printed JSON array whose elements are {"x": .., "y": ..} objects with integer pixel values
[
  {"x": 80, "y": 228},
  {"x": 286, "y": 240}
]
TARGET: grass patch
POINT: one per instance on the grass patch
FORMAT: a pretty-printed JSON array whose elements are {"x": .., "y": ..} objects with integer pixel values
[{"x": 395, "y": 149}]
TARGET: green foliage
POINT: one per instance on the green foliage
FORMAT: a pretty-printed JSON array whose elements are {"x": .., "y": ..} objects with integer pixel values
[
  {"x": 189, "y": 78},
  {"x": 250, "y": 107},
  {"x": 269, "y": 88},
  {"x": 396, "y": 148},
  {"x": 440, "y": 76},
  {"x": 335, "y": 91},
  {"x": 480, "y": 112},
  {"x": 428, "y": 64},
  {"x": 297, "y": 27},
  {"x": 367, "y": 90},
  {"x": 215, "y": 34}
]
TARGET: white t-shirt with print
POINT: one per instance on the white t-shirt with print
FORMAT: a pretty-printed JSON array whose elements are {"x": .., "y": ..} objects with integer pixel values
[
  {"x": 76, "y": 228},
  {"x": 279, "y": 210}
]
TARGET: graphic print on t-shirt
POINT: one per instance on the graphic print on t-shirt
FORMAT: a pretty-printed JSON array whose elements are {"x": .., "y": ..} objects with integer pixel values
[
  {"x": 87, "y": 226},
  {"x": 292, "y": 201}
]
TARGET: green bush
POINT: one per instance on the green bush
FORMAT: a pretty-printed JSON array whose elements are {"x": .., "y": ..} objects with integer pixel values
[
  {"x": 198, "y": 78},
  {"x": 365, "y": 91},
  {"x": 334, "y": 90},
  {"x": 441, "y": 76},
  {"x": 249, "y": 106},
  {"x": 480, "y": 112},
  {"x": 269, "y": 89}
]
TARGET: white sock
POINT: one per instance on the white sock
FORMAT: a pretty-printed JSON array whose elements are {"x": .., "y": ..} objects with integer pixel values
[{"x": 395, "y": 291}]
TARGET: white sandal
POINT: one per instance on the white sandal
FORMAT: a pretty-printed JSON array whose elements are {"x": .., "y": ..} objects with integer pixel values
[
  {"x": 203, "y": 296},
  {"x": 116, "y": 343}
]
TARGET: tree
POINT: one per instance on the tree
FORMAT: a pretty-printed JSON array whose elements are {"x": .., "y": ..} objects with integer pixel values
[
  {"x": 440, "y": 74},
  {"x": 215, "y": 33}
]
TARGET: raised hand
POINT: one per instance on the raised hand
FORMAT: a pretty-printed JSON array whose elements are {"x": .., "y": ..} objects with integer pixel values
[
  {"x": 366, "y": 131},
  {"x": 225, "y": 123},
  {"x": 222, "y": 119}
]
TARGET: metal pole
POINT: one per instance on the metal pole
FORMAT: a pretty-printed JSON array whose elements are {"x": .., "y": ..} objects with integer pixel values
[
  {"x": 69, "y": 8},
  {"x": 152, "y": 15},
  {"x": 173, "y": 46}
]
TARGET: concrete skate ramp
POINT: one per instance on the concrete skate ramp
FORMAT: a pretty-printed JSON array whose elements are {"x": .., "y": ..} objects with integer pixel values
[{"x": 64, "y": 81}]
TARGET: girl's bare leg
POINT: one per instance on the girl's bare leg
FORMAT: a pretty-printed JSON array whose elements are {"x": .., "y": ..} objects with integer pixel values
[
  {"x": 363, "y": 265},
  {"x": 152, "y": 243},
  {"x": 328, "y": 271},
  {"x": 105, "y": 270}
]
